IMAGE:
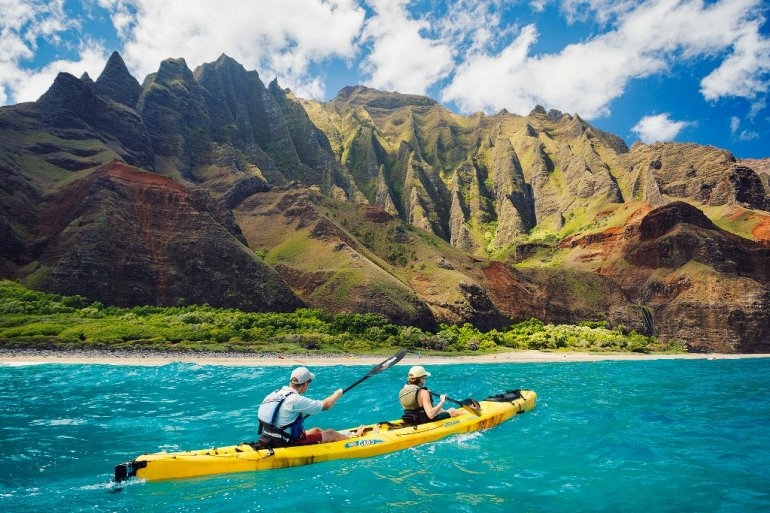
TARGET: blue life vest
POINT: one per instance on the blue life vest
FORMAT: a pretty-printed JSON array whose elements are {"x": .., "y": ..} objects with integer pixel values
[{"x": 268, "y": 413}]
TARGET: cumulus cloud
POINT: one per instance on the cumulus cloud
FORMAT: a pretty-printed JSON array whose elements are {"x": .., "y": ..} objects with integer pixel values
[
  {"x": 659, "y": 128},
  {"x": 25, "y": 26},
  {"x": 401, "y": 58},
  {"x": 647, "y": 38},
  {"x": 279, "y": 38},
  {"x": 744, "y": 73}
]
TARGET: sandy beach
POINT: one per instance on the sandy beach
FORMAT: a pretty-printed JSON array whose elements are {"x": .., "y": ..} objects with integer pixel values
[{"x": 12, "y": 357}]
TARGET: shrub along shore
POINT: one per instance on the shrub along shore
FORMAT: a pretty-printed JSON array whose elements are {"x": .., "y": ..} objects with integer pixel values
[{"x": 36, "y": 321}]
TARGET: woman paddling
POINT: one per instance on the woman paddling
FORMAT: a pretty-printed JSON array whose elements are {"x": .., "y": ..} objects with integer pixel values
[{"x": 416, "y": 400}]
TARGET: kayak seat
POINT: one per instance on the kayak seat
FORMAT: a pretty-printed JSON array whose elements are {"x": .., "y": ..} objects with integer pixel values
[
  {"x": 506, "y": 397},
  {"x": 391, "y": 425}
]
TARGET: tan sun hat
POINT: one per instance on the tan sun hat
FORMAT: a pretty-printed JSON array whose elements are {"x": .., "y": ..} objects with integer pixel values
[{"x": 418, "y": 371}]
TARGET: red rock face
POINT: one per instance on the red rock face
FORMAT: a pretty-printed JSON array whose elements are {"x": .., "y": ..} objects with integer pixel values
[
  {"x": 126, "y": 237},
  {"x": 704, "y": 286},
  {"x": 562, "y": 297}
]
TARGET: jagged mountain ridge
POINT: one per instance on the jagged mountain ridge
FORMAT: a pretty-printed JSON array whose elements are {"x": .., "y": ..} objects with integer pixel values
[{"x": 374, "y": 201}]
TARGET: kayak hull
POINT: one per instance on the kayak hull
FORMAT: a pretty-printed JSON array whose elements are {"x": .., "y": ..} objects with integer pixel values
[{"x": 377, "y": 439}]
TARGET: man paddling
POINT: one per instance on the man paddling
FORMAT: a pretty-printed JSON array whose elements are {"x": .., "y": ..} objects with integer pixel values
[{"x": 282, "y": 413}]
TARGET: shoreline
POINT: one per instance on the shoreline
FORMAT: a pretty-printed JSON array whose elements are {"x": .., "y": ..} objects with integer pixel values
[{"x": 11, "y": 357}]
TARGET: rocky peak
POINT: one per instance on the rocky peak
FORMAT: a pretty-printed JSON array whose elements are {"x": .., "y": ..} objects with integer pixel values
[
  {"x": 246, "y": 114},
  {"x": 276, "y": 89},
  {"x": 225, "y": 67},
  {"x": 73, "y": 106},
  {"x": 660, "y": 221},
  {"x": 557, "y": 115},
  {"x": 373, "y": 98},
  {"x": 173, "y": 110},
  {"x": 115, "y": 82},
  {"x": 174, "y": 69},
  {"x": 708, "y": 175},
  {"x": 68, "y": 100}
]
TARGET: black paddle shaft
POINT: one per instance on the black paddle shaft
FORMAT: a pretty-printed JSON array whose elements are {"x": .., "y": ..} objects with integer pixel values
[
  {"x": 468, "y": 404},
  {"x": 390, "y": 362}
]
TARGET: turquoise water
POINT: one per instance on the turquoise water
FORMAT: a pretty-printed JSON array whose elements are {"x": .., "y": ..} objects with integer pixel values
[{"x": 616, "y": 436}]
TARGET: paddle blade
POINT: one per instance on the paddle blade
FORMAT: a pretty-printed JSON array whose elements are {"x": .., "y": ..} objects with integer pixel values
[
  {"x": 390, "y": 362},
  {"x": 472, "y": 405}
]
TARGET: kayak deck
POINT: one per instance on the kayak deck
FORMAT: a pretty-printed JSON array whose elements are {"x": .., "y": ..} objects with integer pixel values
[{"x": 378, "y": 438}]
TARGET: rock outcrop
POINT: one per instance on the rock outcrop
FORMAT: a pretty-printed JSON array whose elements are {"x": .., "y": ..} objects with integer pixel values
[
  {"x": 71, "y": 111},
  {"x": 163, "y": 247},
  {"x": 704, "y": 286}
]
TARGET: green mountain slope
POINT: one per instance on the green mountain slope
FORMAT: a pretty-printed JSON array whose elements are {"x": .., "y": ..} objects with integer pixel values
[{"x": 209, "y": 186}]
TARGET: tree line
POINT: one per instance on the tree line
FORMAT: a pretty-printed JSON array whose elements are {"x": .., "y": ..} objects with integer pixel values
[{"x": 36, "y": 320}]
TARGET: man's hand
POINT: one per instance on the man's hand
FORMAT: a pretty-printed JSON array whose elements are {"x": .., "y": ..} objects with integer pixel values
[{"x": 329, "y": 401}]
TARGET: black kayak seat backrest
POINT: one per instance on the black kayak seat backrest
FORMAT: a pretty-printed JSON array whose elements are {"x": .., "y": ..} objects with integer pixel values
[{"x": 506, "y": 397}]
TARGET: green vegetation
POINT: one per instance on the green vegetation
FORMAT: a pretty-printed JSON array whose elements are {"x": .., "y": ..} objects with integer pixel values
[{"x": 36, "y": 320}]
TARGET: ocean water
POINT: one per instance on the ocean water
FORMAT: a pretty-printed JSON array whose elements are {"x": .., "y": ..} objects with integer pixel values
[{"x": 615, "y": 436}]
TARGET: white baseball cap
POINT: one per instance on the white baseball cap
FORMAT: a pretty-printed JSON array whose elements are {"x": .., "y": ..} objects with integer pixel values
[
  {"x": 301, "y": 375},
  {"x": 418, "y": 371}
]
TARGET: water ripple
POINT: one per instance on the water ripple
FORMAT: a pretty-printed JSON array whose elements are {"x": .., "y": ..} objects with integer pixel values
[{"x": 669, "y": 436}]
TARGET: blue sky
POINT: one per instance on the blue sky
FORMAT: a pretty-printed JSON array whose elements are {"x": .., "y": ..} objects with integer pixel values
[{"x": 659, "y": 70}]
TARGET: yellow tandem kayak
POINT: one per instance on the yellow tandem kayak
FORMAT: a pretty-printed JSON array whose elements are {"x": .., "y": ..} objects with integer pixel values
[{"x": 377, "y": 439}]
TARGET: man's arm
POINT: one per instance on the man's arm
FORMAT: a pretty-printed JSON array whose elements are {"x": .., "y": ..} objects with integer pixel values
[{"x": 329, "y": 401}]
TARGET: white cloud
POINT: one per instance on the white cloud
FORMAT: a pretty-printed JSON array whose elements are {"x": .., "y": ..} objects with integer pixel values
[
  {"x": 23, "y": 27},
  {"x": 600, "y": 10},
  {"x": 744, "y": 135},
  {"x": 279, "y": 38},
  {"x": 538, "y": 5},
  {"x": 658, "y": 128},
  {"x": 488, "y": 83},
  {"x": 650, "y": 37},
  {"x": 473, "y": 25},
  {"x": 745, "y": 72},
  {"x": 757, "y": 106},
  {"x": 735, "y": 123},
  {"x": 401, "y": 59},
  {"x": 748, "y": 135}
]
